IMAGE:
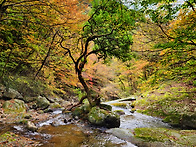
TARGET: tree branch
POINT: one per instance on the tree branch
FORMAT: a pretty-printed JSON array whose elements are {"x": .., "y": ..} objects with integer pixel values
[
  {"x": 170, "y": 37},
  {"x": 68, "y": 50},
  {"x": 191, "y": 5}
]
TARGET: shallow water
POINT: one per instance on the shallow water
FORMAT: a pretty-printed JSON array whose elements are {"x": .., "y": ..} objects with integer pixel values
[
  {"x": 71, "y": 134},
  {"x": 138, "y": 120},
  {"x": 77, "y": 134},
  {"x": 62, "y": 131}
]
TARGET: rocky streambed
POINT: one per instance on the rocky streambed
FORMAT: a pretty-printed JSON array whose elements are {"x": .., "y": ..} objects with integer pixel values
[{"x": 24, "y": 122}]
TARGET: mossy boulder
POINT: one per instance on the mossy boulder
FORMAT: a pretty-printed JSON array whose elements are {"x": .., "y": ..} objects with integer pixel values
[
  {"x": 14, "y": 106},
  {"x": 189, "y": 120},
  {"x": 101, "y": 117},
  {"x": 185, "y": 120},
  {"x": 173, "y": 119},
  {"x": 167, "y": 137},
  {"x": 156, "y": 137},
  {"x": 81, "y": 111},
  {"x": 78, "y": 112},
  {"x": 42, "y": 102}
]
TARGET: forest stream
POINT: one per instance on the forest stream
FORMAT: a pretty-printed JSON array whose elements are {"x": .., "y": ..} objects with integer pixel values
[
  {"x": 60, "y": 130},
  {"x": 56, "y": 53}
]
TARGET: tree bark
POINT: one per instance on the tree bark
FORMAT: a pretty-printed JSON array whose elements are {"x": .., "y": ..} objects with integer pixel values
[{"x": 86, "y": 88}]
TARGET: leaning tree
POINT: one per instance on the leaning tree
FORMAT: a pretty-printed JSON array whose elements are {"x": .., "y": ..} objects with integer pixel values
[{"x": 109, "y": 29}]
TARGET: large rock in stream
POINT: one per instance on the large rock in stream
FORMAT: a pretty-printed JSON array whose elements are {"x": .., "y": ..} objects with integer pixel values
[
  {"x": 42, "y": 102},
  {"x": 103, "y": 118},
  {"x": 31, "y": 126}
]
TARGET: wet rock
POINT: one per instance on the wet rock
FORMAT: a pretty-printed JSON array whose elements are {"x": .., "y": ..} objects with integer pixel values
[
  {"x": 125, "y": 134},
  {"x": 53, "y": 99},
  {"x": 14, "y": 106},
  {"x": 67, "y": 119},
  {"x": 103, "y": 118},
  {"x": 31, "y": 126},
  {"x": 42, "y": 102},
  {"x": 65, "y": 103},
  {"x": 48, "y": 110},
  {"x": 60, "y": 101}
]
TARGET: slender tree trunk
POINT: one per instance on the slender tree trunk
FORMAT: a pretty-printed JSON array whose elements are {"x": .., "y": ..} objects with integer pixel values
[
  {"x": 86, "y": 88},
  {"x": 48, "y": 54}
]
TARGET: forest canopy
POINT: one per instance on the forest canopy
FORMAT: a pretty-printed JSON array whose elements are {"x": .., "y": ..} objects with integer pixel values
[{"x": 61, "y": 43}]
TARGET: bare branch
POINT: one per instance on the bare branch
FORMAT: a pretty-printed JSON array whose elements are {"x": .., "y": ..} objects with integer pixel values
[{"x": 67, "y": 49}]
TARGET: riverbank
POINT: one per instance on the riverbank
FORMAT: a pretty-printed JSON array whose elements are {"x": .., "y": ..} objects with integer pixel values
[
  {"x": 174, "y": 102},
  {"x": 147, "y": 131},
  {"x": 141, "y": 128}
]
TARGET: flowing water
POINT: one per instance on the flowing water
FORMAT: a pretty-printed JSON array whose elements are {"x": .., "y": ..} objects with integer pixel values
[
  {"x": 138, "y": 120},
  {"x": 62, "y": 131}
]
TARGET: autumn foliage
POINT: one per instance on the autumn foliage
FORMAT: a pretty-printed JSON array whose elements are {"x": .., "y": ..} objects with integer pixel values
[{"x": 112, "y": 48}]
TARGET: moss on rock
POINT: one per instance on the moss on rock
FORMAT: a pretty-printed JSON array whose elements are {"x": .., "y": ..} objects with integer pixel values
[
  {"x": 175, "y": 137},
  {"x": 104, "y": 118},
  {"x": 42, "y": 102},
  {"x": 14, "y": 106}
]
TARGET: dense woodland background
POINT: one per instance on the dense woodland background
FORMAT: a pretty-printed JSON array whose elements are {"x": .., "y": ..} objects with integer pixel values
[{"x": 41, "y": 43}]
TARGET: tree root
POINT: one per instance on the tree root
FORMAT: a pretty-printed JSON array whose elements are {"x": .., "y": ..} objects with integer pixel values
[{"x": 79, "y": 103}]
